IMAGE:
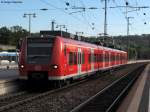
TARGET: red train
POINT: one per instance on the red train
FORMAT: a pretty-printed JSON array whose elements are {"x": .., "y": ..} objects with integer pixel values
[{"x": 59, "y": 58}]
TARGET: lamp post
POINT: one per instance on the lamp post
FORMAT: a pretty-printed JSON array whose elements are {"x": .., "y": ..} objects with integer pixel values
[
  {"x": 61, "y": 26},
  {"x": 79, "y": 34},
  {"x": 29, "y": 15}
]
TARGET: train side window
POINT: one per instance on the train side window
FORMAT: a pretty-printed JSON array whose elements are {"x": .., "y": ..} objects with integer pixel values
[
  {"x": 79, "y": 58},
  {"x": 71, "y": 58},
  {"x": 106, "y": 57},
  {"x": 82, "y": 58},
  {"x": 110, "y": 59},
  {"x": 100, "y": 57},
  {"x": 75, "y": 58},
  {"x": 89, "y": 58},
  {"x": 94, "y": 58},
  {"x": 65, "y": 50},
  {"x": 97, "y": 57},
  {"x": 117, "y": 57},
  {"x": 114, "y": 58}
]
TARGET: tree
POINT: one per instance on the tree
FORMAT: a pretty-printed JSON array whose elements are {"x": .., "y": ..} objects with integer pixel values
[
  {"x": 12, "y": 35},
  {"x": 17, "y": 33},
  {"x": 4, "y": 35}
]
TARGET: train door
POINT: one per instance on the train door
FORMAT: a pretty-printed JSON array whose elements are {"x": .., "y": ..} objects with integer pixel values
[
  {"x": 92, "y": 59},
  {"x": 79, "y": 61}
]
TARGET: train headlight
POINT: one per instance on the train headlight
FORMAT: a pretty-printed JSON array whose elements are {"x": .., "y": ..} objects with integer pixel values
[
  {"x": 55, "y": 66},
  {"x": 22, "y": 66}
]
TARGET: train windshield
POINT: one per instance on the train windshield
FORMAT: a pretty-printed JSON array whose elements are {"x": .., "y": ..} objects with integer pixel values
[{"x": 39, "y": 50}]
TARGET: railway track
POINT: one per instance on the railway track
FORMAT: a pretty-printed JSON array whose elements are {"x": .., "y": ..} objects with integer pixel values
[
  {"x": 20, "y": 100},
  {"x": 25, "y": 97},
  {"x": 108, "y": 99}
]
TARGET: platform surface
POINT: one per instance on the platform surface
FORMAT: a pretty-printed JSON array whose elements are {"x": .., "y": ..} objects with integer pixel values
[
  {"x": 138, "y": 99},
  {"x": 8, "y": 75}
]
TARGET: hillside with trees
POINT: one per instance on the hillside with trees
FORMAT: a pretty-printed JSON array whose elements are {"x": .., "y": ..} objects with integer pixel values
[{"x": 137, "y": 45}]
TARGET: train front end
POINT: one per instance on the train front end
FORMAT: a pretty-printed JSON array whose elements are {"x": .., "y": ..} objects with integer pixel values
[{"x": 35, "y": 58}]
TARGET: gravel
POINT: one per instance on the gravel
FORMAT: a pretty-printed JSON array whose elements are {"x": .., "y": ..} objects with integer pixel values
[{"x": 64, "y": 101}]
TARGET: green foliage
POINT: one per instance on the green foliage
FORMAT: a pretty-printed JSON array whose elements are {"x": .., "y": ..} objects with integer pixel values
[
  {"x": 11, "y": 36},
  {"x": 137, "y": 46},
  {"x": 5, "y": 35}
]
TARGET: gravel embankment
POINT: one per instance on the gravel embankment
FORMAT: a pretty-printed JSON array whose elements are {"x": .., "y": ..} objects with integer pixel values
[{"x": 67, "y": 99}]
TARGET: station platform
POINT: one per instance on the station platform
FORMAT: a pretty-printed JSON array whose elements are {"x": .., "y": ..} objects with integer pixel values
[
  {"x": 138, "y": 98},
  {"x": 8, "y": 75}
]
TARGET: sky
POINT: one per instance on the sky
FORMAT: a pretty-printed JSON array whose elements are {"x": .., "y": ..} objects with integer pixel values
[{"x": 77, "y": 20}]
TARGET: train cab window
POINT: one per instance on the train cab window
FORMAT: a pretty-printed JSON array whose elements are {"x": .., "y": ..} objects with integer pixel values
[{"x": 71, "y": 58}]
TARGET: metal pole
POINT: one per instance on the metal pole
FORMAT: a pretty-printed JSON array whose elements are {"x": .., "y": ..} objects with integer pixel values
[
  {"x": 128, "y": 37},
  {"x": 29, "y": 24},
  {"x": 61, "y": 31},
  {"x": 105, "y": 19},
  {"x": 29, "y": 15},
  {"x": 53, "y": 22},
  {"x": 128, "y": 33},
  {"x": 60, "y": 26},
  {"x": 128, "y": 25}
]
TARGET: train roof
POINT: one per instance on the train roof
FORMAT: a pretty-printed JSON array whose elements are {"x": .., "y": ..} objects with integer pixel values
[
  {"x": 81, "y": 43},
  {"x": 68, "y": 38}
]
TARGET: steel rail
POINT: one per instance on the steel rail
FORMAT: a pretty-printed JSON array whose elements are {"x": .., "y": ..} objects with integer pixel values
[{"x": 84, "y": 104}]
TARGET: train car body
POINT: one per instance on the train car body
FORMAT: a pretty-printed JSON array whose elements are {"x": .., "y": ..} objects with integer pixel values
[{"x": 58, "y": 58}]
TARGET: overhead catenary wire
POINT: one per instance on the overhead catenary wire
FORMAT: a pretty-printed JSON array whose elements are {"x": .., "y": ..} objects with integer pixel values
[
  {"x": 65, "y": 11},
  {"x": 84, "y": 16},
  {"x": 60, "y": 9}
]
